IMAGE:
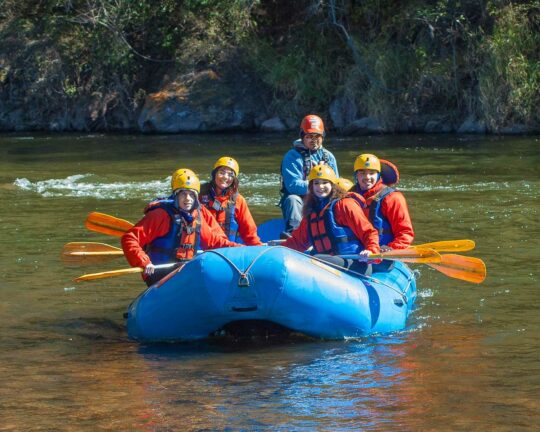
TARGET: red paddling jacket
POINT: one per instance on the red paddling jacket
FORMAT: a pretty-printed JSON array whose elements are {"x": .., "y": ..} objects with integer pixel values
[
  {"x": 387, "y": 210},
  {"x": 158, "y": 223}
]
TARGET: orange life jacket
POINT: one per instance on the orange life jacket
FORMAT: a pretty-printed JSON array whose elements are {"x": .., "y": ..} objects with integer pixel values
[{"x": 223, "y": 212}]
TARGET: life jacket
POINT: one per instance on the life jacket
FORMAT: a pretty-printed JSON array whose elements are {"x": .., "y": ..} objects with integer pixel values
[
  {"x": 379, "y": 222},
  {"x": 224, "y": 213},
  {"x": 327, "y": 237},
  {"x": 183, "y": 239},
  {"x": 307, "y": 164}
]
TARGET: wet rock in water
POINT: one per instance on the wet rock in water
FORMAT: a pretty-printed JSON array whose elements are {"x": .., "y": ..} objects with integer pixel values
[
  {"x": 438, "y": 126},
  {"x": 273, "y": 125},
  {"x": 472, "y": 126},
  {"x": 363, "y": 126}
]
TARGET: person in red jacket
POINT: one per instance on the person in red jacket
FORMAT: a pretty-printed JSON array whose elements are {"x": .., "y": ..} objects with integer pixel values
[
  {"x": 172, "y": 230},
  {"x": 227, "y": 205},
  {"x": 386, "y": 207},
  {"x": 333, "y": 223}
]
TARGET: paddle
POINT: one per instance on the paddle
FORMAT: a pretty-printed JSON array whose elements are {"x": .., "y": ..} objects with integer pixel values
[
  {"x": 448, "y": 245},
  {"x": 456, "y": 266},
  {"x": 106, "y": 224},
  {"x": 121, "y": 272},
  {"x": 410, "y": 255},
  {"x": 462, "y": 267},
  {"x": 80, "y": 251}
]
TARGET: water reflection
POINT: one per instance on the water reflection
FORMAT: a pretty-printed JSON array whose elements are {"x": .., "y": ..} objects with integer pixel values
[{"x": 326, "y": 385}]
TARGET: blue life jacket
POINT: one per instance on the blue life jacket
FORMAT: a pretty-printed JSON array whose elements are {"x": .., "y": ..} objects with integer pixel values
[
  {"x": 182, "y": 241},
  {"x": 328, "y": 237},
  {"x": 379, "y": 222}
]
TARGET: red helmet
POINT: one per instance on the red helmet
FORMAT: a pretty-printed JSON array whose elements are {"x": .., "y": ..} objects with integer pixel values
[{"x": 312, "y": 124}]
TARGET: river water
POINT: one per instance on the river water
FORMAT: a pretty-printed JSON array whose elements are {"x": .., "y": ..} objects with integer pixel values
[{"x": 469, "y": 359}]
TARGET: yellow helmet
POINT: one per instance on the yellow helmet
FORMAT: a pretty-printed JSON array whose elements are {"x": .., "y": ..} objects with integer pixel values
[
  {"x": 185, "y": 179},
  {"x": 177, "y": 173},
  {"x": 322, "y": 172},
  {"x": 367, "y": 161},
  {"x": 228, "y": 162},
  {"x": 344, "y": 183}
]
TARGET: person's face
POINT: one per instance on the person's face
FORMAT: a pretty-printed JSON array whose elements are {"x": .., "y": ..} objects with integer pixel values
[
  {"x": 224, "y": 177},
  {"x": 186, "y": 200},
  {"x": 366, "y": 178},
  {"x": 312, "y": 141},
  {"x": 322, "y": 188}
]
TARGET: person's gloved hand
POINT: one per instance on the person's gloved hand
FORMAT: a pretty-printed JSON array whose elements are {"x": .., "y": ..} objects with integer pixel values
[
  {"x": 364, "y": 255},
  {"x": 386, "y": 248},
  {"x": 149, "y": 269}
]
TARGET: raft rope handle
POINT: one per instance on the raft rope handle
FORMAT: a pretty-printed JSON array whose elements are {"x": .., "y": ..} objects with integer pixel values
[
  {"x": 362, "y": 276},
  {"x": 243, "y": 281}
]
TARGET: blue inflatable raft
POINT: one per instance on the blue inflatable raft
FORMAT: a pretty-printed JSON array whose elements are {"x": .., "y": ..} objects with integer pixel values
[{"x": 270, "y": 284}]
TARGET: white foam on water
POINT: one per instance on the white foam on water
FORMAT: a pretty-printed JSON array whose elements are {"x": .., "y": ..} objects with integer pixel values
[
  {"x": 259, "y": 189},
  {"x": 425, "y": 293},
  {"x": 269, "y": 180},
  {"x": 89, "y": 186}
]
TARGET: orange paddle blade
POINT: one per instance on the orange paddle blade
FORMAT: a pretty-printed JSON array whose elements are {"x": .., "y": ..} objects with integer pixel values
[
  {"x": 106, "y": 224},
  {"x": 89, "y": 253},
  {"x": 448, "y": 245},
  {"x": 410, "y": 255},
  {"x": 108, "y": 274},
  {"x": 462, "y": 267}
]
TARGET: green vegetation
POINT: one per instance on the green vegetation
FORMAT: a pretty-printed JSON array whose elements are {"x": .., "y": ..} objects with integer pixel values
[{"x": 394, "y": 60}]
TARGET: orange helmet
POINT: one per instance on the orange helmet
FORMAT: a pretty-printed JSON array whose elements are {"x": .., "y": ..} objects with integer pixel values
[{"x": 312, "y": 124}]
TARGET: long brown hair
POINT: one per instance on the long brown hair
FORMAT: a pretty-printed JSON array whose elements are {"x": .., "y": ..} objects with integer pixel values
[{"x": 310, "y": 200}]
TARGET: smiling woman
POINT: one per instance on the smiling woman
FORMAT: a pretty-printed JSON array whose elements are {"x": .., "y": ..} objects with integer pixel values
[
  {"x": 222, "y": 198},
  {"x": 334, "y": 224}
]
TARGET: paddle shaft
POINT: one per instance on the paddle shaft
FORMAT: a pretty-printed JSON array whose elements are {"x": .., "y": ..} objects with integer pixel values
[
  {"x": 94, "y": 254},
  {"x": 448, "y": 245},
  {"x": 120, "y": 272},
  {"x": 413, "y": 255}
]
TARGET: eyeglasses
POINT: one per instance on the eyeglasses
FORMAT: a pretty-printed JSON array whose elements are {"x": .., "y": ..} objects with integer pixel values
[{"x": 313, "y": 136}]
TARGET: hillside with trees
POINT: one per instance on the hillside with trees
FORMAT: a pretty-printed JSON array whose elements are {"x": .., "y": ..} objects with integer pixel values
[{"x": 216, "y": 65}]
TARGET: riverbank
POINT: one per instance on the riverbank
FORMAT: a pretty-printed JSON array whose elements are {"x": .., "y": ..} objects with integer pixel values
[{"x": 231, "y": 65}]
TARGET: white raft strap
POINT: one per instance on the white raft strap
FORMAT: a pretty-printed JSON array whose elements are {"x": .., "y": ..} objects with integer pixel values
[{"x": 243, "y": 280}]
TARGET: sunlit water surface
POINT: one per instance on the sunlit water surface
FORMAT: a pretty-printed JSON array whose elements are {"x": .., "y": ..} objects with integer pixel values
[{"x": 469, "y": 359}]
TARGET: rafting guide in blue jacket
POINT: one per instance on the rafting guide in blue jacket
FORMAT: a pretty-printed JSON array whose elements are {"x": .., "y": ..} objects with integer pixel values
[{"x": 307, "y": 152}]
